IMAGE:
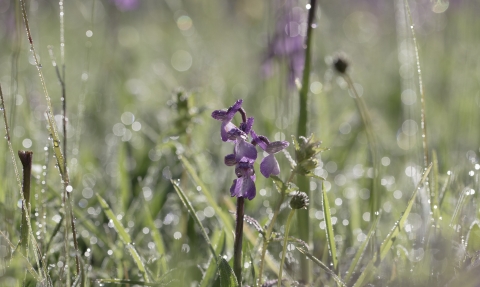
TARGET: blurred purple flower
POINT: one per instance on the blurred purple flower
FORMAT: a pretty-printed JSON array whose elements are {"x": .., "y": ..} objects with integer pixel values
[
  {"x": 269, "y": 165},
  {"x": 126, "y": 5},
  {"x": 288, "y": 42},
  {"x": 244, "y": 185}
]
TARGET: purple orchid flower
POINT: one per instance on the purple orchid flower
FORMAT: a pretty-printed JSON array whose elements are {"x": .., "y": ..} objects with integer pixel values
[
  {"x": 244, "y": 185},
  {"x": 269, "y": 165},
  {"x": 226, "y": 118}
]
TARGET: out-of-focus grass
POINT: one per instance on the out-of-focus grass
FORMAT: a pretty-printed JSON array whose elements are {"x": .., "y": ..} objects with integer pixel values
[{"x": 127, "y": 144}]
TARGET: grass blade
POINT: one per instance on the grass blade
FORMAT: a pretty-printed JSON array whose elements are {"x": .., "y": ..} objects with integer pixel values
[
  {"x": 192, "y": 213},
  {"x": 392, "y": 236},
  {"x": 225, "y": 219},
  {"x": 361, "y": 250},
  {"x": 322, "y": 265},
  {"x": 124, "y": 236},
  {"x": 157, "y": 239},
  {"x": 332, "y": 250}
]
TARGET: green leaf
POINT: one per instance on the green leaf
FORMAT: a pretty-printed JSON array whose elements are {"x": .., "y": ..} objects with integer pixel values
[
  {"x": 193, "y": 214},
  {"x": 227, "y": 277},
  {"x": 332, "y": 250},
  {"x": 473, "y": 238},
  {"x": 124, "y": 236},
  {"x": 218, "y": 240},
  {"x": 322, "y": 265}
]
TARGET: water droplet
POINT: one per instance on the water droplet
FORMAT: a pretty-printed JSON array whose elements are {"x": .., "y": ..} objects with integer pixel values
[{"x": 40, "y": 66}]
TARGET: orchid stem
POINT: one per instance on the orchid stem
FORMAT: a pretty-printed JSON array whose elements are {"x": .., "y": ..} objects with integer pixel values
[{"x": 237, "y": 246}]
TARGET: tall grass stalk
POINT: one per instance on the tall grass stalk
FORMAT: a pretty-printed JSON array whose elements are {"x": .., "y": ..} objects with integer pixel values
[
  {"x": 55, "y": 139},
  {"x": 303, "y": 220}
]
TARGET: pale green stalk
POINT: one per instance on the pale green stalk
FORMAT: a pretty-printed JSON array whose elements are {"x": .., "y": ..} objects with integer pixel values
[
  {"x": 303, "y": 182},
  {"x": 268, "y": 233},
  {"x": 285, "y": 243}
]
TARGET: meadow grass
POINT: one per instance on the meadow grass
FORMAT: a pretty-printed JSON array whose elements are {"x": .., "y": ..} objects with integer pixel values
[{"x": 125, "y": 90}]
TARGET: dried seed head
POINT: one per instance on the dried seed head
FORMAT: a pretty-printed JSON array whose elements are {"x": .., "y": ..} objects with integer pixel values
[
  {"x": 300, "y": 200},
  {"x": 340, "y": 64}
]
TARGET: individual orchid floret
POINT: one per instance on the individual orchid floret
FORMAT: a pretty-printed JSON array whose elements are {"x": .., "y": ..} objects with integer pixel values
[
  {"x": 242, "y": 149},
  {"x": 269, "y": 165},
  {"x": 226, "y": 118},
  {"x": 244, "y": 185}
]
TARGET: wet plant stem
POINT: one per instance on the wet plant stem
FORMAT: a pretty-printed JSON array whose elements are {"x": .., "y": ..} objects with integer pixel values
[
  {"x": 303, "y": 182},
  {"x": 372, "y": 144},
  {"x": 285, "y": 243},
  {"x": 268, "y": 233},
  {"x": 237, "y": 246},
  {"x": 26, "y": 159}
]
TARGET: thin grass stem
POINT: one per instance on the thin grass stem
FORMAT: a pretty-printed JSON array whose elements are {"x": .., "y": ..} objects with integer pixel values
[
  {"x": 372, "y": 144},
  {"x": 285, "y": 243},
  {"x": 423, "y": 123},
  {"x": 268, "y": 233}
]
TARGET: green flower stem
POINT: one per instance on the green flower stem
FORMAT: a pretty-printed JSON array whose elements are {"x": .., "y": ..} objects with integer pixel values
[
  {"x": 237, "y": 245},
  {"x": 285, "y": 243},
  {"x": 303, "y": 182},
  {"x": 268, "y": 233}
]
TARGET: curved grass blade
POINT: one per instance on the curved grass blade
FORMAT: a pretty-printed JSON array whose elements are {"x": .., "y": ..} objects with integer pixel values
[
  {"x": 361, "y": 250},
  {"x": 392, "y": 236},
  {"x": 227, "y": 277},
  {"x": 225, "y": 219},
  {"x": 322, "y": 265},
  {"x": 209, "y": 276},
  {"x": 124, "y": 236},
  {"x": 192, "y": 213},
  {"x": 332, "y": 250}
]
